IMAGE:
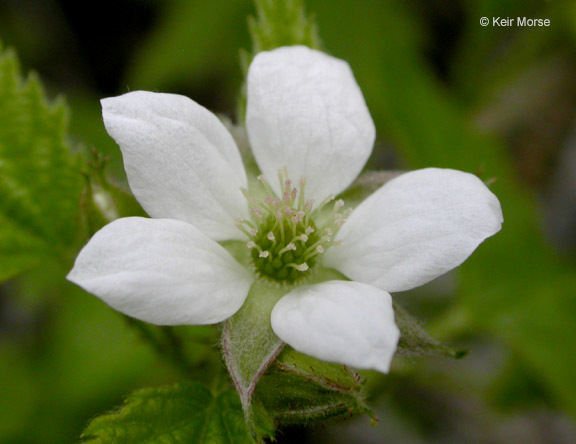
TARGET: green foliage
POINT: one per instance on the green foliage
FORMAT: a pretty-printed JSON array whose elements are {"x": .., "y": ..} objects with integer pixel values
[
  {"x": 40, "y": 185},
  {"x": 182, "y": 413},
  {"x": 282, "y": 23}
]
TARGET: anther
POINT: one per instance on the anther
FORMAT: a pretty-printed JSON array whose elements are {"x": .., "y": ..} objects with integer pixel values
[
  {"x": 257, "y": 212},
  {"x": 302, "y": 238},
  {"x": 338, "y": 204},
  {"x": 300, "y": 267},
  {"x": 288, "y": 247}
]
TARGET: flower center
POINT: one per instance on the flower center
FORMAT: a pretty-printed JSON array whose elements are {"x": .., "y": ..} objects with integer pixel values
[{"x": 286, "y": 234}]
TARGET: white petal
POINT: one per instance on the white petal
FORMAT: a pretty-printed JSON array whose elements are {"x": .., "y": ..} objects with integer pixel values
[
  {"x": 161, "y": 271},
  {"x": 180, "y": 160},
  {"x": 415, "y": 228},
  {"x": 345, "y": 322},
  {"x": 306, "y": 112}
]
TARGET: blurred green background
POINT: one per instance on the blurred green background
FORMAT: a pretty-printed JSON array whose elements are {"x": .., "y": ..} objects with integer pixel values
[{"x": 443, "y": 91}]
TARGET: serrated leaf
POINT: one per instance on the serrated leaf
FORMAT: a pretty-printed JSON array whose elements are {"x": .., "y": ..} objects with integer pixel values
[
  {"x": 299, "y": 389},
  {"x": 40, "y": 184},
  {"x": 415, "y": 341},
  {"x": 183, "y": 413}
]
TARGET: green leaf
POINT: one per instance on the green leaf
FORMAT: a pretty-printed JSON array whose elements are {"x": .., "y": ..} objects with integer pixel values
[
  {"x": 299, "y": 389},
  {"x": 41, "y": 183},
  {"x": 182, "y": 413}
]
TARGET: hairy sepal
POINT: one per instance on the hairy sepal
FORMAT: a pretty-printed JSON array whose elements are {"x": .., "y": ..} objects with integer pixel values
[
  {"x": 299, "y": 389},
  {"x": 415, "y": 341},
  {"x": 250, "y": 346}
]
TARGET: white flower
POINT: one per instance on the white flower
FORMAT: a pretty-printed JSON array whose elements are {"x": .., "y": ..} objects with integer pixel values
[{"x": 307, "y": 119}]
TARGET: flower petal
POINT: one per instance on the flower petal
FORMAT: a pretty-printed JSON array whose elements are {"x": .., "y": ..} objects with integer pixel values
[
  {"x": 180, "y": 160},
  {"x": 415, "y": 228},
  {"x": 306, "y": 112},
  {"x": 161, "y": 271},
  {"x": 345, "y": 322}
]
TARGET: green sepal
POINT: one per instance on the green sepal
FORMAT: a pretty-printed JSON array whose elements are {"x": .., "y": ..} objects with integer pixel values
[
  {"x": 250, "y": 346},
  {"x": 181, "y": 414},
  {"x": 102, "y": 200},
  {"x": 299, "y": 389},
  {"x": 415, "y": 341},
  {"x": 365, "y": 185}
]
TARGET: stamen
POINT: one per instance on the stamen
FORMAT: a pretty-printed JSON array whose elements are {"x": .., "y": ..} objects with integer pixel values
[
  {"x": 284, "y": 230},
  {"x": 298, "y": 217},
  {"x": 300, "y": 267},
  {"x": 289, "y": 247},
  {"x": 324, "y": 203},
  {"x": 240, "y": 225},
  {"x": 257, "y": 212},
  {"x": 266, "y": 185}
]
